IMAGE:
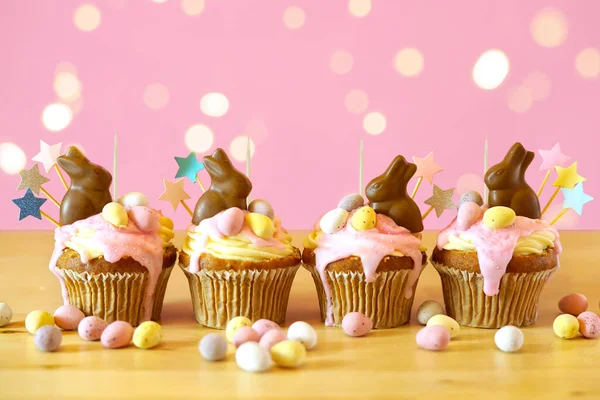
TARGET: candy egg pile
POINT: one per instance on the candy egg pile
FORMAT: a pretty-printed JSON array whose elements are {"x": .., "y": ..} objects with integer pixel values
[
  {"x": 260, "y": 218},
  {"x": 575, "y": 319},
  {"x": 428, "y": 309}
]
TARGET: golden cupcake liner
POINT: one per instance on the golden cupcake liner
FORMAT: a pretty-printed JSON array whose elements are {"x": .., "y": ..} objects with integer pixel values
[
  {"x": 114, "y": 297},
  {"x": 383, "y": 301},
  {"x": 515, "y": 304},
  {"x": 220, "y": 295}
]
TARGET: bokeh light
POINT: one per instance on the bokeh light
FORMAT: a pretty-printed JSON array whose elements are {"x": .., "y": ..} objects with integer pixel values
[
  {"x": 87, "y": 18},
  {"x": 356, "y": 101},
  {"x": 549, "y": 27},
  {"x": 12, "y": 158},
  {"x": 294, "y": 17},
  {"x": 238, "y": 147},
  {"x": 214, "y": 104},
  {"x": 56, "y": 117},
  {"x": 587, "y": 63},
  {"x": 76, "y": 105},
  {"x": 359, "y": 8},
  {"x": 491, "y": 69},
  {"x": 159, "y": 1},
  {"x": 341, "y": 62},
  {"x": 192, "y": 7},
  {"x": 409, "y": 62},
  {"x": 156, "y": 96},
  {"x": 199, "y": 138},
  {"x": 374, "y": 123},
  {"x": 65, "y": 66},
  {"x": 520, "y": 99},
  {"x": 539, "y": 84},
  {"x": 67, "y": 86}
]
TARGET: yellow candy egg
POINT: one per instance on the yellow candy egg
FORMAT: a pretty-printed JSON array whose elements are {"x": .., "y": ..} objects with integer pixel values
[
  {"x": 234, "y": 324},
  {"x": 36, "y": 319},
  {"x": 116, "y": 214},
  {"x": 147, "y": 335},
  {"x": 499, "y": 217},
  {"x": 261, "y": 225},
  {"x": 364, "y": 218},
  {"x": 446, "y": 322},
  {"x": 289, "y": 353},
  {"x": 166, "y": 222},
  {"x": 566, "y": 326}
]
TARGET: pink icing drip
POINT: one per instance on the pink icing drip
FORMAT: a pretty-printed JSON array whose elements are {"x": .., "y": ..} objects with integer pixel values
[
  {"x": 371, "y": 246},
  {"x": 495, "y": 247},
  {"x": 115, "y": 243}
]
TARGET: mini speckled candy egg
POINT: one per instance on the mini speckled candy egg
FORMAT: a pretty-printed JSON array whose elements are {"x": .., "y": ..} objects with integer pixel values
[
  {"x": 147, "y": 335},
  {"x": 261, "y": 206},
  {"x": 5, "y": 314},
  {"x": 47, "y": 338},
  {"x": 333, "y": 221},
  {"x": 91, "y": 328},
  {"x": 68, "y": 317},
  {"x": 133, "y": 199},
  {"x": 364, "y": 219},
  {"x": 356, "y": 324},
  {"x": 145, "y": 218},
  {"x": 351, "y": 202},
  {"x": 289, "y": 353},
  {"x": 116, "y": 335},
  {"x": 234, "y": 324},
  {"x": 243, "y": 335},
  {"x": 264, "y": 325},
  {"x": 427, "y": 310},
  {"x": 36, "y": 319},
  {"x": 271, "y": 338},
  {"x": 470, "y": 196},
  {"x": 468, "y": 214},
  {"x": 499, "y": 217},
  {"x": 231, "y": 221},
  {"x": 574, "y": 304},
  {"x": 446, "y": 322},
  {"x": 589, "y": 324},
  {"x": 509, "y": 339},
  {"x": 261, "y": 225},
  {"x": 115, "y": 214},
  {"x": 566, "y": 326},
  {"x": 435, "y": 338},
  {"x": 213, "y": 347},
  {"x": 304, "y": 333},
  {"x": 252, "y": 358}
]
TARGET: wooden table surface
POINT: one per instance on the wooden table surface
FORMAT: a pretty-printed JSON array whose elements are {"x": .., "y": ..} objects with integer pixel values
[{"x": 386, "y": 364}]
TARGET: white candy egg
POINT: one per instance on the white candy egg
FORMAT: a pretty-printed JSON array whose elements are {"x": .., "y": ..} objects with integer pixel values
[
  {"x": 5, "y": 314},
  {"x": 252, "y": 358},
  {"x": 304, "y": 333},
  {"x": 333, "y": 221},
  {"x": 132, "y": 199},
  {"x": 509, "y": 339}
]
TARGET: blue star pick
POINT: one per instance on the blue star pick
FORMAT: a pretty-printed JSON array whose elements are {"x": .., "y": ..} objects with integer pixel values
[
  {"x": 188, "y": 166},
  {"x": 29, "y": 205},
  {"x": 575, "y": 198}
]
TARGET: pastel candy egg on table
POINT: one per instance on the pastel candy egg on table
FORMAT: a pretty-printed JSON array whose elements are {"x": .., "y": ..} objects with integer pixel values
[
  {"x": 68, "y": 317},
  {"x": 499, "y": 217},
  {"x": 47, "y": 338},
  {"x": 356, "y": 324},
  {"x": 133, "y": 199},
  {"x": 264, "y": 325},
  {"x": 91, "y": 328},
  {"x": 261, "y": 206},
  {"x": 589, "y": 324},
  {"x": 117, "y": 334},
  {"x": 231, "y": 221},
  {"x": 289, "y": 353},
  {"x": 434, "y": 338},
  {"x": 333, "y": 221},
  {"x": 147, "y": 335},
  {"x": 364, "y": 219},
  {"x": 245, "y": 334},
  {"x": 36, "y": 319},
  {"x": 271, "y": 338},
  {"x": 115, "y": 214},
  {"x": 566, "y": 326},
  {"x": 428, "y": 309},
  {"x": 304, "y": 333},
  {"x": 261, "y": 225},
  {"x": 446, "y": 322},
  {"x": 468, "y": 214},
  {"x": 574, "y": 304},
  {"x": 470, "y": 196},
  {"x": 213, "y": 347},
  {"x": 509, "y": 339},
  {"x": 234, "y": 324},
  {"x": 351, "y": 202},
  {"x": 5, "y": 314},
  {"x": 252, "y": 358},
  {"x": 145, "y": 218}
]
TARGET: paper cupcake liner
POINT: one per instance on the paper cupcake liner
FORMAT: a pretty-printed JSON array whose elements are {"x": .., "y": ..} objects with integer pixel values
[
  {"x": 220, "y": 295},
  {"x": 114, "y": 297},
  {"x": 383, "y": 301},
  {"x": 515, "y": 304}
]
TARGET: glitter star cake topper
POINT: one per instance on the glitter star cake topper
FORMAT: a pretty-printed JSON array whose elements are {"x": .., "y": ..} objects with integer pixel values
[
  {"x": 440, "y": 200},
  {"x": 29, "y": 205}
]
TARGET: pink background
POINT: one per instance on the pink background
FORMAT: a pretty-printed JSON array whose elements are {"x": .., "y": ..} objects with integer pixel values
[{"x": 306, "y": 156}]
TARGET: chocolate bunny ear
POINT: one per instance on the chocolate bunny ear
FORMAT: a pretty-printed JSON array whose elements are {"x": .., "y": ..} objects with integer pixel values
[
  {"x": 220, "y": 155},
  {"x": 74, "y": 152}
]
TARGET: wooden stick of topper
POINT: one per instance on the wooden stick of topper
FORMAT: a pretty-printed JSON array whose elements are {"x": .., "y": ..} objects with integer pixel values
[
  {"x": 567, "y": 178},
  {"x": 361, "y": 188},
  {"x": 49, "y": 218},
  {"x": 485, "y": 168},
  {"x": 550, "y": 159}
]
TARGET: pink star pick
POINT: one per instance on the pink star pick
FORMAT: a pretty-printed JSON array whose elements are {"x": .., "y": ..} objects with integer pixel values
[
  {"x": 426, "y": 167},
  {"x": 174, "y": 192},
  {"x": 48, "y": 154},
  {"x": 553, "y": 157}
]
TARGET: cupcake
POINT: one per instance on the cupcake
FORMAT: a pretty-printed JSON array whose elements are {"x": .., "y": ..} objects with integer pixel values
[
  {"x": 368, "y": 258},
  {"x": 113, "y": 259},
  {"x": 494, "y": 259},
  {"x": 239, "y": 260}
]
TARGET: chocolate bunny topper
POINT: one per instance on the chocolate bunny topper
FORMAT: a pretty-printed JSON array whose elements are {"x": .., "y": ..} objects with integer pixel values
[
  {"x": 89, "y": 191},
  {"x": 228, "y": 187},
  {"x": 387, "y": 195},
  {"x": 506, "y": 181}
]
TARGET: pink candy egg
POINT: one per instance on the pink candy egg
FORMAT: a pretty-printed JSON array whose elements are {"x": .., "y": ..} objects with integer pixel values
[
  {"x": 231, "y": 221},
  {"x": 245, "y": 334},
  {"x": 356, "y": 324},
  {"x": 271, "y": 338},
  {"x": 116, "y": 335},
  {"x": 574, "y": 304},
  {"x": 91, "y": 328},
  {"x": 68, "y": 317},
  {"x": 433, "y": 337},
  {"x": 468, "y": 214},
  {"x": 263, "y": 325},
  {"x": 145, "y": 218},
  {"x": 589, "y": 324}
]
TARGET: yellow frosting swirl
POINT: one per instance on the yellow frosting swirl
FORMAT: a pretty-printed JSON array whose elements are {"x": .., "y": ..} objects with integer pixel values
[{"x": 536, "y": 243}]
